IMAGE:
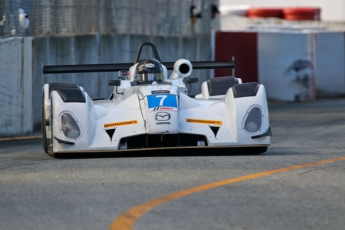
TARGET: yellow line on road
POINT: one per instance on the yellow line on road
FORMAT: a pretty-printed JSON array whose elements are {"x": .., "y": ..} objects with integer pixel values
[{"x": 126, "y": 220}]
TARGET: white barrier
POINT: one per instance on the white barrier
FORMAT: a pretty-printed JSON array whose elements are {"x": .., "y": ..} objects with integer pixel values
[
  {"x": 293, "y": 65},
  {"x": 285, "y": 66},
  {"x": 329, "y": 64},
  {"x": 302, "y": 66}
]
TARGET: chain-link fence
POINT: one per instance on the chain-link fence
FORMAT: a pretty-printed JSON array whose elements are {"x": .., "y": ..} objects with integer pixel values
[{"x": 76, "y": 17}]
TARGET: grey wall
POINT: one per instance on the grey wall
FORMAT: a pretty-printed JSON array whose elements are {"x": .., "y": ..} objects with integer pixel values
[
  {"x": 22, "y": 98},
  {"x": 16, "y": 104}
]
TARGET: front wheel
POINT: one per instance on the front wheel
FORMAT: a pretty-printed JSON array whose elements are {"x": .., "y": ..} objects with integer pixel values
[
  {"x": 251, "y": 150},
  {"x": 258, "y": 150},
  {"x": 44, "y": 127},
  {"x": 51, "y": 136}
]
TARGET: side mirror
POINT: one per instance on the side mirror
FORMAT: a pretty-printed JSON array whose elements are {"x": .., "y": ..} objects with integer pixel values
[
  {"x": 190, "y": 80},
  {"x": 114, "y": 82},
  {"x": 123, "y": 74}
]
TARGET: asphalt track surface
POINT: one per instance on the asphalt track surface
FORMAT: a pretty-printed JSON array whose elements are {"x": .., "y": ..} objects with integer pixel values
[{"x": 299, "y": 183}]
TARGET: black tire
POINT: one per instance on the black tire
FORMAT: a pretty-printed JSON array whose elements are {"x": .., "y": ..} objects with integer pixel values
[
  {"x": 43, "y": 125},
  {"x": 51, "y": 140},
  {"x": 250, "y": 150},
  {"x": 259, "y": 150}
]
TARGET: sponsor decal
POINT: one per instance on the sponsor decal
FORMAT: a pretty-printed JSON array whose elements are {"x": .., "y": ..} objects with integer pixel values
[
  {"x": 163, "y": 123},
  {"x": 163, "y": 109},
  {"x": 162, "y": 102},
  {"x": 150, "y": 65},
  {"x": 160, "y": 91},
  {"x": 162, "y": 116},
  {"x": 206, "y": 122},
  {"x": 114, "y": 124}
]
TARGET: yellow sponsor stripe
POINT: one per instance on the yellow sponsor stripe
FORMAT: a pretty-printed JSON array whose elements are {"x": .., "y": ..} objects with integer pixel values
[
  {"x": 132, "y": 122},
  {"x": 207, "y": 122},
  {"x": 126, "y": 220}
]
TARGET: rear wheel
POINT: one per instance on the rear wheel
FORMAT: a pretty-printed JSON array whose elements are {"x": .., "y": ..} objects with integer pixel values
[{"x": 44, "y": 127}]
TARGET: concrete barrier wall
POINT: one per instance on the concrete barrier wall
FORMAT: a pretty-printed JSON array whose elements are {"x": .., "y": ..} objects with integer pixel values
[
  {"x": 293, "y": 66},
  {"x": 21, "y": 61},
  {"x": 302, "y": 66},
  {"x": 329, "y": 64},
  {"x": 285, "y": 66},
  {"x": 16, "y": 104}
]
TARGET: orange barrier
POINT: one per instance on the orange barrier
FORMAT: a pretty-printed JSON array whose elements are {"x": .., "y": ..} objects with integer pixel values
[
  {"x": 289, "y": 13},
  {"x": 302, "y": 13},
  {"x": 265, "y": 13}
]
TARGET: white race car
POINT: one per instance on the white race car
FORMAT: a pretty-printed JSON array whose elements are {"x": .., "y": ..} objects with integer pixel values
[{"x": 149, "y": 110}]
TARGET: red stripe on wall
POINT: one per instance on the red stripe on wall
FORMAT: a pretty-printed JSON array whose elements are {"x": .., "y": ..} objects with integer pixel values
[{"x": 244, "y": 47}]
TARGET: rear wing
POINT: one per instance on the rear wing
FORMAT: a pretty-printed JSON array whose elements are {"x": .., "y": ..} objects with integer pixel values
[{"x": 61, "y": 69}]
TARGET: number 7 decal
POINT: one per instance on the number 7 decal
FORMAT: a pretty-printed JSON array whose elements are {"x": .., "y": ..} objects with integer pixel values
[{"x": 161, "y": 102}]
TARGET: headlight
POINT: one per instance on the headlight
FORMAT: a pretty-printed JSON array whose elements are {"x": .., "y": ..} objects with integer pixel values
[
  {"x": 253, "y": 120},
  {"x": 69, "y": 126}
]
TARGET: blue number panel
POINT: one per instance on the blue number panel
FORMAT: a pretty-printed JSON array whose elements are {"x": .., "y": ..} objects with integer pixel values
[{"x": 155, "y": 101}]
